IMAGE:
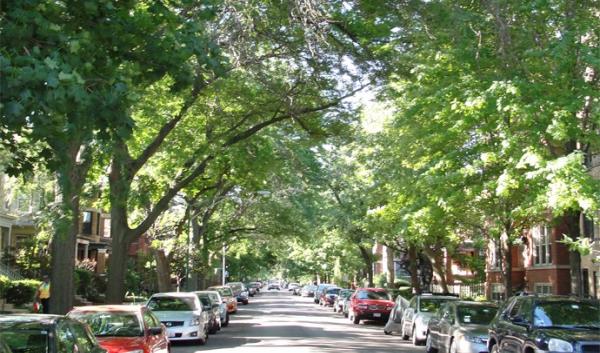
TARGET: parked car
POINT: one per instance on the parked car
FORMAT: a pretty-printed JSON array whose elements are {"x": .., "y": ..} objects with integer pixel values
[
  {"x": 370, "y": 304},
  {"x": 256, "y": 285},
  {"x": 416, "y": 317},
  {"x": 215, "y": 297},
  {"x": 292, "y": 286},
  {"x": 328, "y": 296},
  {"x": 46, "y": 333},
  {"x": 182, "y": 314},
  {"x": 308, "y": 290},
  {"x": 239, "y": 292},
  {"x": 227, "y": 296},
  {"x": 212, "y": 310},
  {"x": 251, "y": 289},
  {"x": 346, "y": 305},
  {"x": 338, "y": 305},
  {"x": 320, "y": 288},
  {"x": 461, "y": 327},
  {"x": 274, "y": 286},
  {"x": 394, "y": 324},
  {"x": 124, "y": 328},
  {"x": 546, "y": 324}
]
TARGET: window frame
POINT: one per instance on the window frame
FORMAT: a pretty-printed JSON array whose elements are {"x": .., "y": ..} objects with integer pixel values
[{"x": 542, "y": 245}]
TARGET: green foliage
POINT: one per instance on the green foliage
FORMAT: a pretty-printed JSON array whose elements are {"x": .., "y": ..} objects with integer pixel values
[
  {"x": 21, "y": 291},
  {"x": 83, "y": 281},
  {"x": 4, "y": 284}
]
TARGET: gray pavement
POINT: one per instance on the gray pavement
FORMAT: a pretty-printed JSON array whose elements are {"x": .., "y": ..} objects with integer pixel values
[{"x": 280, "y": 322}]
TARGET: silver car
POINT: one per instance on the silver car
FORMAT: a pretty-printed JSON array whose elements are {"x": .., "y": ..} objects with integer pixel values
[
  {"x": 416, "y": 317},
  {"x": 394, "y": 324},
  {"x": 182, "y": 314},
  {"x": 460, "y": 327}
]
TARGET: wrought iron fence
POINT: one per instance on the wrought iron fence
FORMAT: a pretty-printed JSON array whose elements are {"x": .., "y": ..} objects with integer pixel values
[{"x": 463, "y": 290}]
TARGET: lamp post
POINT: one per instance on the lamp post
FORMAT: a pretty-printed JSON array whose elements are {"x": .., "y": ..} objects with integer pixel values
[{"x": 224, "y": 269}]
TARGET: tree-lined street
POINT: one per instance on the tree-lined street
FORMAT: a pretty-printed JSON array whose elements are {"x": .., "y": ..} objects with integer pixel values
[{"x": 276, "y": 321}]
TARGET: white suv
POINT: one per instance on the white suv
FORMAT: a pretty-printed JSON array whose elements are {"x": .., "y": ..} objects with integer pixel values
[{"x": 182, "y": 314}]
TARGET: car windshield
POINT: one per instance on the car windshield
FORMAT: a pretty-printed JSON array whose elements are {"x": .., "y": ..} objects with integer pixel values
[
  {"x": 333, "y": 291},
  {"x": 171, "y": 304},
  {"x": 566, "y": 313},
  {"x": 346, "y": 293},
  {"x": 205, "y": 300},
  {"x": 373, "y": 295},
  {"x": 224, "y": 291},
  {"x": 118, "y": 324},
  {"x": 476, "y": 314},
  {"x": 430, "y": 305},
  {"x": 25, "y": 341}
]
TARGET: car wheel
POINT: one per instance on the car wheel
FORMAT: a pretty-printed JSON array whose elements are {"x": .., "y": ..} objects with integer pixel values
[
  {"x": 404, "y": 335},
  {"x": 386, "y": 332},
  {"x": 428, "y": 345},
  {"x": 415, "y": 340},
  {"x": 213, "y": 329},
  {"x": 494, "y": 349},
  {"x": 224, "y": 324},
  {"x": 202, "y": 341},
  {"x": 345, "y": 314},
  {"x": 453, "y": 347},
  {"x": 356, "y": 320}
]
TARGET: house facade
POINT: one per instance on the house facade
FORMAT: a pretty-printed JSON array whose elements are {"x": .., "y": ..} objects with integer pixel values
[
  {"x": 19, "y": 212},
  {"x": 540, "y": 264}
]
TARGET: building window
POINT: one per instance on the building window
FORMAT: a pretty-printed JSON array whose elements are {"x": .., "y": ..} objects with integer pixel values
[
  {"x": 542, "y": 248},
  {"x": 87, "y": 223},
  {"x": 496, "y": 255},
  {"x": 497, "y": 291},
  {"x": 4, "y": 241},
  {"x": 543, "y": 288}
]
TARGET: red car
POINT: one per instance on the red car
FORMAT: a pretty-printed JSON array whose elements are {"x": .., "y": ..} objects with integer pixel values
[
  {"x": 370, "y": 304},
  {"x": 124, "y": 328}
]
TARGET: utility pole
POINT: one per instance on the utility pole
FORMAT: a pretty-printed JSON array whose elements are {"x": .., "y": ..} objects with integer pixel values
[{"x": 224, "y": 269}]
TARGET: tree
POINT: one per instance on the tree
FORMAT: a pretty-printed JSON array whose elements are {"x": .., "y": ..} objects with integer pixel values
[{"x": 67, "y": 68}]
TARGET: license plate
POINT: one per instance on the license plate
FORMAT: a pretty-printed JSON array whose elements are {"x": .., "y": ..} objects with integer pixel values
[{"x": 376, "y": 314}]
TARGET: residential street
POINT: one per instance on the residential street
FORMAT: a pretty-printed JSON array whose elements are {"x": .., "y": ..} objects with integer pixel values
[{"x": 280, "y": 322}]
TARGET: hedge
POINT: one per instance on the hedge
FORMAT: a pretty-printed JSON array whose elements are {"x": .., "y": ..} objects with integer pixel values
[
  {"x": 4, "y": 282},
  {"x": 20, "y": 292}
]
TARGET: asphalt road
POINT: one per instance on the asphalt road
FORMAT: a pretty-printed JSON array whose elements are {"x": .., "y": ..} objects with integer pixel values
[{"x": 282, "y": 323}]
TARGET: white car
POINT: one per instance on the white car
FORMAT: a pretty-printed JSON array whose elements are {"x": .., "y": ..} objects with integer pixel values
[
  {"x": 182, "y": 314},
  {"x": 416, "y": 317}
]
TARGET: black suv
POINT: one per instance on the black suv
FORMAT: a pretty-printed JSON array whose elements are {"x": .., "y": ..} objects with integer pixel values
[{"x": 528, "y": 324}]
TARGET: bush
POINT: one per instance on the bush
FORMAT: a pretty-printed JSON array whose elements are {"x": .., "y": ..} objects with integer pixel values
[
  {"x": 83, "y": 279},
  {"x": 22, "y": 291},
  {"x": 4, "y": 282}
]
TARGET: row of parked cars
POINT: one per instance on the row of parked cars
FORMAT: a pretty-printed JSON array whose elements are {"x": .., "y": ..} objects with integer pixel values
[
  {"x": 165, "y": 318},
  {"x": 447, "y": 324}
]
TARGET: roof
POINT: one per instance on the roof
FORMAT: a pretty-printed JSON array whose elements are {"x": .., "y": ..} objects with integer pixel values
[
  {"x": 469, "y": 302},
  {"x": 174, "y": 294},
  {"x": 373, "y": 289},
  {"x": 105, "y": 308},
  {"x": 38, "y": 320}
]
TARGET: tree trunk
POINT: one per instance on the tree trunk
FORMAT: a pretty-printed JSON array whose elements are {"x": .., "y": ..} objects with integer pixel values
[
  {"x": 63, "y": 257},
  {"x": 163, "y": 270},
  {"x": 572, "y": 223},
  {"x": 368, "y": 262},
  {"x": 507, "y": 270},
  {"x": 117, "y": 266},
  {"x": 413, "y": 268},
  {"x": 439, "y": 266},
  {"x": 391, "y": 273},
  {"x": 71, "y": 177}
]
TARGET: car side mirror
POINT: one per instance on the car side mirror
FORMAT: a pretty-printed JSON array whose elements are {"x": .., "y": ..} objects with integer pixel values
[
  {"x": 519, "y": 320},
  {"x": 154, "y": 331}
]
